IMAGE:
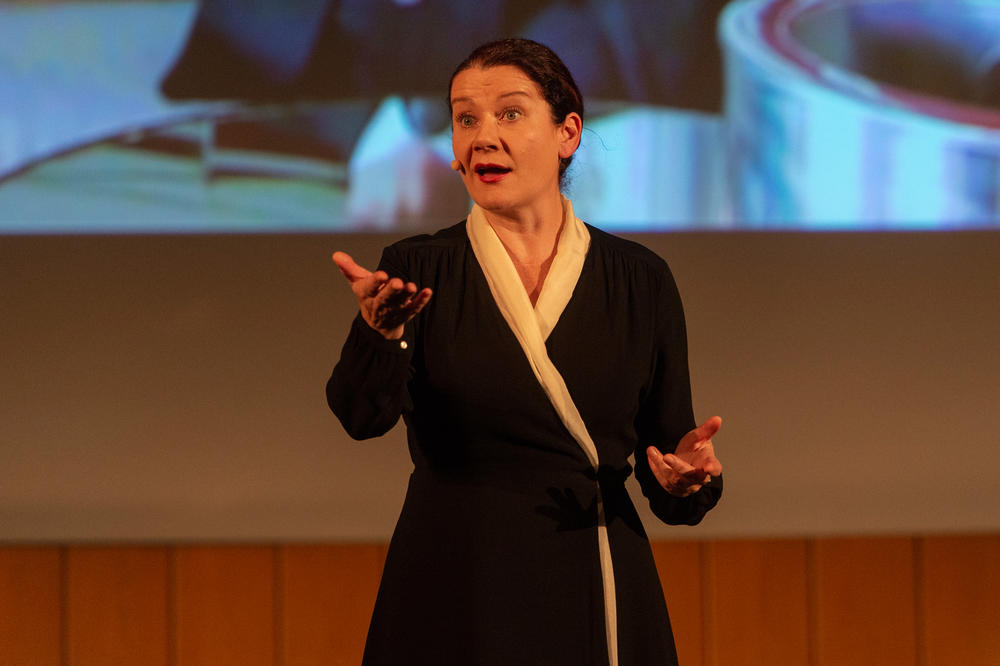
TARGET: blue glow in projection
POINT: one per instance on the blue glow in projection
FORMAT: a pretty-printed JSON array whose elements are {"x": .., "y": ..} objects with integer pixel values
[
  {"x": 247, "y": 116},
  {"x": 863, "y": 114}
]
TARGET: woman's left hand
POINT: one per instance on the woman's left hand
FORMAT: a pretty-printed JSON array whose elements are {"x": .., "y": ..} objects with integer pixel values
[{"x": 691, "y": 465}]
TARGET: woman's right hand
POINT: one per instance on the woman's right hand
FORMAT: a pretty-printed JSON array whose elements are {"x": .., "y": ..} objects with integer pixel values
[{"x": 386, "y": 303}]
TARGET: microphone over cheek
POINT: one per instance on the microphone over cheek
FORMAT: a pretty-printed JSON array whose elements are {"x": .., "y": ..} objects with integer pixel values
[{"x": 457, "y": 166}]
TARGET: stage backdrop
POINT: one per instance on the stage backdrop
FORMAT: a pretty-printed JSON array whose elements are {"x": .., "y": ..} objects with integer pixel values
[{"x": 823, "y": 178}]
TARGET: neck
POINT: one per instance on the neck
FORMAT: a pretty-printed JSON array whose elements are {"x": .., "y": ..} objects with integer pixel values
[
  {"x": 529, "y": 234},
  {"x": 531, "y": 238}
]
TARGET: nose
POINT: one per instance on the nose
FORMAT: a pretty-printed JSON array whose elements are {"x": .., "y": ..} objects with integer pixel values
[{"x": 487, "y": 137}]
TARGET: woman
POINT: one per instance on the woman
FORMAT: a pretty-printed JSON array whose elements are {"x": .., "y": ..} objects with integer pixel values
[{"x": 549, "y": 353}]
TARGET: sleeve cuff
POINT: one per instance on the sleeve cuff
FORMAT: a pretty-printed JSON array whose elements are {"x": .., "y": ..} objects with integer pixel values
[{"x": 373, "y": 338}]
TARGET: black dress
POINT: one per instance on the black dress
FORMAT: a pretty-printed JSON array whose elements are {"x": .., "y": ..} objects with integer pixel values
[{"x": 494, "y": 560}]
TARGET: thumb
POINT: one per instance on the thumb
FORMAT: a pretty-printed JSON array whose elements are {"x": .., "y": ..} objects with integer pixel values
[
  {"x": 707, "y": 429},
  {"x": 351, "y": 270},
  {"x": 700, "y": 434}
]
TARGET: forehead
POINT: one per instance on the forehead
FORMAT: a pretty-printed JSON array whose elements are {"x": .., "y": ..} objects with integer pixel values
[{"x": 482, "y": 85}]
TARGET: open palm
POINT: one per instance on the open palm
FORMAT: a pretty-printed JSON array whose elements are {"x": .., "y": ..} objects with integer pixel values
[{"x": 691, "y": 465}]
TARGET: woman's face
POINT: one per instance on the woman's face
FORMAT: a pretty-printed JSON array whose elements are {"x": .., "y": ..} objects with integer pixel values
[{"x": 504, "y": 136}]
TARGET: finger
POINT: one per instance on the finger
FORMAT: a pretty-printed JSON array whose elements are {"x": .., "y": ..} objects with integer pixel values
[
  {"x": 659, "y": 468},
  {"x": 685, "y": 490},
  {"x": 396, "y": 293},
  {"x": 703, "y": 456},
  {"x": 677, "y": 465},
  {"x": 689, "y": 480},
  {"x": 351, "y": 270},
  {"x": 409, "y": 309},
  {"x": 665, "y": 476},
  {"x": 701, "y": 434},
  {"x": 654, "y": 456},
  {"x": 370, "y": 286},
  {"x": 696, "y": 477},
  {"x": 667, "y": 469},
  {"x": 419, "y": 301},
  {"x": 712, "y": 466},
  {"x": 397, "y": 303},
  {"x": 708, "y": 429}
]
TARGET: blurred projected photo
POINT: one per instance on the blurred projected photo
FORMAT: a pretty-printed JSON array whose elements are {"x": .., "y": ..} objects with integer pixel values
[
  {"x": 863, "y": 113},
  {"x": 152, "y": 116}
]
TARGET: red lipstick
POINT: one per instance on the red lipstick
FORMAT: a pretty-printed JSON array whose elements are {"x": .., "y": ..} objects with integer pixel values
[{"x": 491, "y": 173}]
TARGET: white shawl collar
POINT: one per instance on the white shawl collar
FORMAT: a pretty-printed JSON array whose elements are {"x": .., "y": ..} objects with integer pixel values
[
  {"x": 532, "y": 326},
  {"x": 574, "y": 241}
]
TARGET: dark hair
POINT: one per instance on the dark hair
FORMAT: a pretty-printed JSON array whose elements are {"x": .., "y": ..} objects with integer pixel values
[{"x": 541, "y": 65}]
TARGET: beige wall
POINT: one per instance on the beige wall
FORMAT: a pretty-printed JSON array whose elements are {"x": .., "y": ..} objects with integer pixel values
[{"x": 163, "y": 388}]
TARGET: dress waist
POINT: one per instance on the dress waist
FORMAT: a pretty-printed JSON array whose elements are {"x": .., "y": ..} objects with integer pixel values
[{"x": 523, "y": 478}]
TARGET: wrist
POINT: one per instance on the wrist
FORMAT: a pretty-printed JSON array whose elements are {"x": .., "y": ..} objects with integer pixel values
[{"x": 394, "y": 334}]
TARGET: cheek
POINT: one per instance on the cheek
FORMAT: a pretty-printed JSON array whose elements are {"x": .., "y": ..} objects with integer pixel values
[
  {"x": 541, "y": 149},
  {"x": 459, "y": 136},
  {"x": 529, "y": 144}
]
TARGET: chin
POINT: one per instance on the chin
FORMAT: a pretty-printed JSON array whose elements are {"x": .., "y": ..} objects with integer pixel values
[{"x": 494, "y": 202}]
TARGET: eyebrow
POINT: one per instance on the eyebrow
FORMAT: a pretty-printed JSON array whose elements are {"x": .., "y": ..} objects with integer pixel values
[{"x": 456, "y": 100}]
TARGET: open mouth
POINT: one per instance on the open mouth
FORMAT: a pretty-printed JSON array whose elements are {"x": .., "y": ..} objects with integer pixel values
[{"x": 491, "y": 171}]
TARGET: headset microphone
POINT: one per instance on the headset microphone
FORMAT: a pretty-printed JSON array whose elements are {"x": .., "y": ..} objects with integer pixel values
[{"x": 457, "y": 166}]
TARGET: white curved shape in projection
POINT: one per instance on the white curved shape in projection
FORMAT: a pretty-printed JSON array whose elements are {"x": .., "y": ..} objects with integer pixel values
[
  {"x": 834, "y": 119},
  {"x": 76, "y": 73}
]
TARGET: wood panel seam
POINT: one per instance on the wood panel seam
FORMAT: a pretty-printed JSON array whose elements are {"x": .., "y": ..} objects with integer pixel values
[
  {"x": 64, "y": 619},
  {"x": 708, "y": 633},
  {"x": 171, "y": 602},
  {"x": 919, "y": 610},
  {"x": 278, "y": 590},
  {"x": 812, "y": 602}
]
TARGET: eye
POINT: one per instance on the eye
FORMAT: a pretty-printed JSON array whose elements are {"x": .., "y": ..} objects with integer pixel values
[
  {"x": 511, "y": 114},
  {"x": 465, "y": 120}
]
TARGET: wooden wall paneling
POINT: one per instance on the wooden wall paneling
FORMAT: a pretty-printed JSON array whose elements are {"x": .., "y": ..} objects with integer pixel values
[
  {"x": 865, "y": 605},
  {"x": 959, "y": 597},
  {"x": 926, "y": 601},
  {"x": 679, "y": 566},
  {"x": 329, "y": 593},
  {"x": 757, "y": 603},
  {"x": 224, "y": 601},
  {"x": 30, "y": 606},
  {"x": 117, "y": 606}
]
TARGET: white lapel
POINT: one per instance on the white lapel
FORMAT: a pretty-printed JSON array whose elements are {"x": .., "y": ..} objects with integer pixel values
[{"x": 531, "y": 327}]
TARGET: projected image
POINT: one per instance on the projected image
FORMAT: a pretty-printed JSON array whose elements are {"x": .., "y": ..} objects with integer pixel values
[
  {"x": 148, "y": 117},
  {"x": 863, "y": 113}
]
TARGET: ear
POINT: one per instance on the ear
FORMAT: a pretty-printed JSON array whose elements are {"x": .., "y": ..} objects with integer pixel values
[{"x": 569, "y": 134}]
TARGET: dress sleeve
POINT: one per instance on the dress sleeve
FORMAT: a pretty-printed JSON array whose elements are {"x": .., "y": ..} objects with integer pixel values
[
  {"x": 368, "y": 388},
  {"x": 665, "y": 414}
]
